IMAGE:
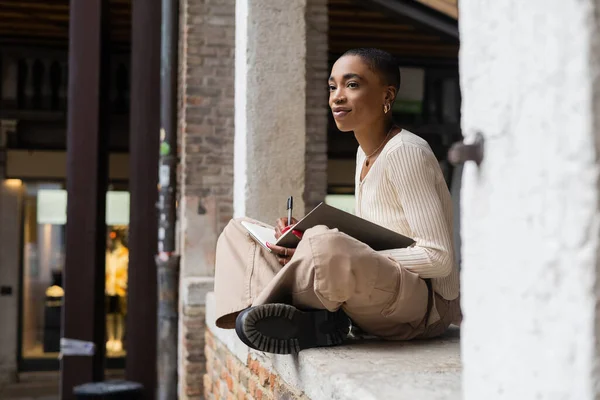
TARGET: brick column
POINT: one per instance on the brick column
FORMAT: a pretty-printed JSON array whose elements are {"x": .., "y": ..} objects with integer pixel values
[{"x": 206, "y": 171}]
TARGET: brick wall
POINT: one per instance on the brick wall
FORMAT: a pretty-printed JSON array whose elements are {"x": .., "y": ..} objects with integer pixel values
[
  {"x": 207, "y": 40},
  {"x": 207, "y": 117},
  {"x": 317, "y": 71},
  {"x": 228, "y": 378},
  {"x": 193, "y": 366}
]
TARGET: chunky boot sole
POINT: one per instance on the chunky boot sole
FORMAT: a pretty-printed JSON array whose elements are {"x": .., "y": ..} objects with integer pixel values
[{"x": 283, "y": 329}]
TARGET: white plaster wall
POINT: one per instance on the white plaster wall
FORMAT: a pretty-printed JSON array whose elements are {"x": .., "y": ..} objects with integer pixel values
[
  {"x": 10, "y": 235},
  {"x": 530, "y": 214},
  {"x": 270, "y": 96}
]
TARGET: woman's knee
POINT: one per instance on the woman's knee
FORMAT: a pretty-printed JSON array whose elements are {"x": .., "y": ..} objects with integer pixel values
[
  {"x": 344, "y": 267},
  {"x": 317, "y": 230},
  {"x": 331, "y": 243}
]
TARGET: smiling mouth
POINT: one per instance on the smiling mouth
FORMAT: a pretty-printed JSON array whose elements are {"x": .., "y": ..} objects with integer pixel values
[{"x": 340, "y": 113}]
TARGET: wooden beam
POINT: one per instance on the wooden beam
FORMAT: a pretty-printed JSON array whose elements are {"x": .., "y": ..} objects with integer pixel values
[
  {"x": 355, "y": 13},
  {"x": 32, "y": 16},
  {"x": 30, "y": 44},
  {"x": 41, "y": 6},
  {"x": 418, "y": 13},
  {"x": 27, "y": 25},
  {"x": 401, "y": 52},
  {"x": 20, "y": 14},
  {"x": 448, "y": 7},
  {"x": 345, "y": 23},
  {"x": 339, "y": 34},
  {"x": 37, "y": 45},
  {"x": 7, "y": 12},
  {"x": 87, "y": 171},
  {"x": 394, "y": 44},
  {"x": 32, "y": 34}
]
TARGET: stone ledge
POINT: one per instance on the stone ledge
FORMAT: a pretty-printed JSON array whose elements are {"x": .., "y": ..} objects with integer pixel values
[{"x": 363, "y": 370}]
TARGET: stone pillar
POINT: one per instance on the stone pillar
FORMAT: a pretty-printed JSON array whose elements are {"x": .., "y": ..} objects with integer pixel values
[
  {"x": 270, "y": 106},
  {"x": 530, "y": 212}
]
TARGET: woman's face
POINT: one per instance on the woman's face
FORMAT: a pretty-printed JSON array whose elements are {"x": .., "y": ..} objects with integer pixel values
[{"x": 356, "y": 94}]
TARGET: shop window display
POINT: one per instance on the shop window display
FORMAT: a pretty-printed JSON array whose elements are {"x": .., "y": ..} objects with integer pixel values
[
  {"x": 44, "y": 220},
  {"x": 43, "y": 263},
  {"x": 117, "y": 260}
]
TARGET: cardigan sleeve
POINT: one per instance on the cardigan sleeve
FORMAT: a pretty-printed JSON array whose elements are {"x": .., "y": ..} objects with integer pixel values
[{"x": 412, "y": 174}]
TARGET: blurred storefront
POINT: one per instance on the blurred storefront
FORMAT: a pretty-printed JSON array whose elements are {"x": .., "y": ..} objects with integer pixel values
[{"x": 44, "y": 217}]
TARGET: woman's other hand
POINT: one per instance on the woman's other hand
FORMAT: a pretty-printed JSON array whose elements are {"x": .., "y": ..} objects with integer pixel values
[{"x": 283, "y": 254}]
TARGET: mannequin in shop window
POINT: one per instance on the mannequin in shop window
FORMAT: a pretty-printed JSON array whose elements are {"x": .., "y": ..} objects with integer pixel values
[{"x": 117, "y": 260}]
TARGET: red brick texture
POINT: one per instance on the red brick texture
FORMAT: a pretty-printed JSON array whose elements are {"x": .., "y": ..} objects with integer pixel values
[
  {"x": 228, "y": 378},
  {"x": 207, "y": 100},
  {"x": 206, "y": 129},
  {"x": 193, "y": 365}
]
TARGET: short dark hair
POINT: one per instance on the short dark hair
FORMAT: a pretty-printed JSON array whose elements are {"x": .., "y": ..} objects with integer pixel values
[{"x": 380, "y": 62}]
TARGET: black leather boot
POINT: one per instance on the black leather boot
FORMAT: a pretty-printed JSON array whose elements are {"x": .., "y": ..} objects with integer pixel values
[{"x": 283, "y": 329}]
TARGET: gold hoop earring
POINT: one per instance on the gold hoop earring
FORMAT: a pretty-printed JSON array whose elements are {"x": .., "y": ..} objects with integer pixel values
[{"x": 386, "y": 108}]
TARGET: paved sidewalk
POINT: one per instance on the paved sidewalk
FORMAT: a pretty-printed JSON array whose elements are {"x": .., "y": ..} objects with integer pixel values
[
  {"x": 40, "y": 386},
  {"x": 32, "y": 386}
]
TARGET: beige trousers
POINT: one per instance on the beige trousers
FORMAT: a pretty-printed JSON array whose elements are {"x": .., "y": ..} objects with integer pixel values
[{"x": 329, "y": 270}]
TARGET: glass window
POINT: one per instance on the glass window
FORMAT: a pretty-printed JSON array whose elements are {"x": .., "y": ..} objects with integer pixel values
[
  {"x": 44, "y": 222},
  {"x": 43, "y": 263},
  {"x": 117, "y": 260},
  {"x": 345, "y": 202}
]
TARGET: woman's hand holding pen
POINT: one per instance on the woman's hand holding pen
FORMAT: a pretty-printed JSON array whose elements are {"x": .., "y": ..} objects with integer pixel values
[
  {"x": 282, "y": 226},
  {"x": 284, "y": 254}
]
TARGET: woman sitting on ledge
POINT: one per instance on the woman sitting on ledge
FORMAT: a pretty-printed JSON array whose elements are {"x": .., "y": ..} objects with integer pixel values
[{"x": 306, "y": 297}]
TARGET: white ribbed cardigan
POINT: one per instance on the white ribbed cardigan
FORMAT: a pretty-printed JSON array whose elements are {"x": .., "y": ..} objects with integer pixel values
[{"x": 405, "y": 191}]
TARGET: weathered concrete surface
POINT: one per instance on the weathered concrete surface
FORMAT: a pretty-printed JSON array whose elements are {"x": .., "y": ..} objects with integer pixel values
[
  {"x": 530, "y": 214},
  {"x": 270, "y": 107},
  {"x": 365, "y": 370}
]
